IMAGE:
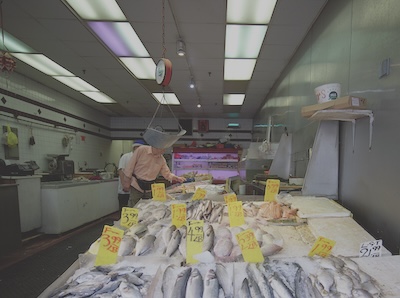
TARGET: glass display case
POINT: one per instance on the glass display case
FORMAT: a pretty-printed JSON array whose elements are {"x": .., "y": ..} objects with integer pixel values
[{"x": 219, "y": 163}]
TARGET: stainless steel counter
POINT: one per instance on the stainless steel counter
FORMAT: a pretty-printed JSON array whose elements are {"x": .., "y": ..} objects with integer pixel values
[{"x": 72, "y": 183}]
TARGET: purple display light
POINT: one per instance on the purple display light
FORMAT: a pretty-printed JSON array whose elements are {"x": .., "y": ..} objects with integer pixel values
[{"x": 109, "y": 34}]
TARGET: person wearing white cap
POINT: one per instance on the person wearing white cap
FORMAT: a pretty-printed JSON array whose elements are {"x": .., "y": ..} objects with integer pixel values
[{"x": 123, "y": 196}]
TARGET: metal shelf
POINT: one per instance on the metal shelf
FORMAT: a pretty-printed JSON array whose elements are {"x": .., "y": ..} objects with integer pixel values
[{"x": 346, "y": 115}]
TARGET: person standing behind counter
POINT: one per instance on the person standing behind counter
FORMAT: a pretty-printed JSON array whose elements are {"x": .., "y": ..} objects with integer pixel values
[
  {"x": 142, "y": 170},
  {"x": 123, "y": 196}
]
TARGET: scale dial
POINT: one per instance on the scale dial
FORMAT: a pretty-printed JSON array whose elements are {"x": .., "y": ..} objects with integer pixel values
[{"x": 163, "y": 72}]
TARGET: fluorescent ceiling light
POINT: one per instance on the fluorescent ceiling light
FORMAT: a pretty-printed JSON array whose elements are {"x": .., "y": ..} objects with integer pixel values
[
  {"x": 105, "y": 10},
  {"x": 43, "y": 64},
  {"x": 120, "y": 38},
  {"x": 76, "y": 83},
  {"x": 250, "y": 11},
  {"x": 233, "y": 125},
  {"x": 142, "y": 68},
  {"x": 244, "y": 41},
  {"x": 98, "y": 96},
  {"x": 11, "y": 44},
  {"x": 238, "y": 69},
  {"x": 233, "y": 99},
  {"x": 167, "y": 98}
]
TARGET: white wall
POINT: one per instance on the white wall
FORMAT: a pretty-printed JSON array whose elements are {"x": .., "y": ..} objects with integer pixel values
[{"x": 346, "y": 45}]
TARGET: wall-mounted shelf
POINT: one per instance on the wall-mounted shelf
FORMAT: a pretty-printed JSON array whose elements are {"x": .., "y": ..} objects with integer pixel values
[{"x": 346, "y": 115}]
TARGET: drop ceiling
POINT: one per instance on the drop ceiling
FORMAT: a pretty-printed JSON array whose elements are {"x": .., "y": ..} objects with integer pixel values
[{"x": 51, "y": 28}]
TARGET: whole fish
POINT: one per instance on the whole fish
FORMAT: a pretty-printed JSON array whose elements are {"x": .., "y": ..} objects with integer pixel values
[
  {"x": 223, "y": 248},
  {"x": 173, "y": 243},
  {"x": 167, "y": 233},
  {"x": 182, "y": 244},
  {"x": 254, "y": 289},
  {"x": 144, "y": 245},
  {"x": 244, "y": 289},
  {"x": 225, "y": 279},
  {"x": 179, "y": 290},
  {"x": 279, "y": 287},
  {"x": 168, "y": 280},
  {"x": 129, "y": 291},
  {"x": 211, "y": 284},
  {"x": 109, "y": 287},
  {"x": 255, "y": 274},
  {"x": 136, "y": 229},
  {"x": 82, "y": 290},
  {"x": 134, "y": 279},
  {"x": 304, "y": 287},
  {"x": 126, "y": 246},
  {"x": 216, "y": 214},
  {"x": 194, "y": 288},
  {"x": 209, "y": 235}
]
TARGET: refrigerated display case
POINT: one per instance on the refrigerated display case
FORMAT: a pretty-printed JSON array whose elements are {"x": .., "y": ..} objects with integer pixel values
[{"x": 220, "y": 163}]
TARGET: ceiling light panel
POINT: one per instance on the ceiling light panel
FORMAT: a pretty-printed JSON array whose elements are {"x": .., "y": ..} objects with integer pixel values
[
  {"x": 238, "y": 69},
  {"x": 233, "y": 99},
  {"x": 100, "y": 97},
  {"x": 11, "y": 44},
  {"x": 43, "y": 64},
  {"x": 244, "y": 41},
  {"x": 120, "y": 38},
  {"x": 250, "y": 11},
  {"x": 167, "y": 98},
  {"x": 104, "y": 10},
  {"x": 76, "y": 83},
  {"x": 142, "y": 68}
]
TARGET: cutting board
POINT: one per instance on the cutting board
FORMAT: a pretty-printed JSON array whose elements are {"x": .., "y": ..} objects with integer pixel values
[{"x": 312, "y": 207}]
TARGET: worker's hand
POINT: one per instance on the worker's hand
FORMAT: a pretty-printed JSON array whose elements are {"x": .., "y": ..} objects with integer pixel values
[{"x": 179, "y": 179}]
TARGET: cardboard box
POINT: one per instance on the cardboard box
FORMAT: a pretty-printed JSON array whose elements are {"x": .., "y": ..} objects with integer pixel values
[{"x": 346, "y": 102}]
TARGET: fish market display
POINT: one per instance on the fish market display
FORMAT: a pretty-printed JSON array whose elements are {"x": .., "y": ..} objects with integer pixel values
[
  {"x": 221, "y": 270},
  {"x": 120, "y": 280}
]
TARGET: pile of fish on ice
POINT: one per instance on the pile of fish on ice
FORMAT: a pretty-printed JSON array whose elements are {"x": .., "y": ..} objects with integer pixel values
[
  {"x": 155, "y": 235},
  {"x": 304, "y": 278}
]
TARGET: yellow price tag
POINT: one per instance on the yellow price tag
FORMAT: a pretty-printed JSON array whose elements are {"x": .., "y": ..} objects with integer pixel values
[
  {"x": 194, "y": 240},
  {"x": 271, "y": 189},
  {"x": 249, "y": 246},
  {"x": 178, "y": 215},
  {"x": 236, "y": 215},
  {"x": 227, "y": 187},
  {"x": 129, "y": 216},
  {"x": 109, "y": 246},
  {"x": 230, "y": 197},
  {"x": 158, "y": 192},
  {"x": 199, "y": 194},
  {"x": 322, "y": 247}
]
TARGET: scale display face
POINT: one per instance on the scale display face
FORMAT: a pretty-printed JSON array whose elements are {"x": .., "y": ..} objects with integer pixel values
[{"x": 163, "y": 72}]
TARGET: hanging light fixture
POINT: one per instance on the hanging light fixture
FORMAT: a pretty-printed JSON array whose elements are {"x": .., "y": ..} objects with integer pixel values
[
  {"x": 199, "y": 105},
  {"x": 191, "y": 85},
  {"x": 7, "y": 63},
  {"x": 180, "y": 48}
]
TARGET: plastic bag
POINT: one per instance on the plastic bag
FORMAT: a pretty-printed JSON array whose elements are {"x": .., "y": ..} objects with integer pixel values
[{"x": 12, "y": 139}]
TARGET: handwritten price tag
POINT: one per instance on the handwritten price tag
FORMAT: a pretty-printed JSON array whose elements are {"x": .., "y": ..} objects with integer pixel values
[
  {"x": 178, "y": 215},
  {"x": 158, "y": 192},
  {"x": 322, "y": 247},
  {"x": 249, "y": 246},
  {"x": 199, "y": 194},
  {"x": 236, "y": 215},
  {"x": 371, "y": 249},
  {"x": 194, "y": 240},
  {"x": 109, "y": 246},
  {"x": 271, "y": 189},
  {"x": 231, "y": 197},
  {"x": 129, "y": 216}
]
